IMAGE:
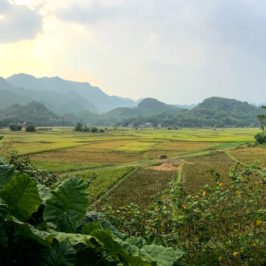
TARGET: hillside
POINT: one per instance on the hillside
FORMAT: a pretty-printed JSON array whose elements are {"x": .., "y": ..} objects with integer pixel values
[
  {"x": 227, "y": 112},
  {"x": 147, "y": 107},
  {"x": 65, "y": 96},
  {"x": 8, "y": 97},
  {"x": 212, "y": 112},
  {"x": 33, "y": 112}
]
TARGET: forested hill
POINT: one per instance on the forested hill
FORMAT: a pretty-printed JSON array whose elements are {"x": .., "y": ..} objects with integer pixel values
[
  {"x": 33, "y": 112},
  {"x": 212, "y": 112},
  {"x": 147, "y": 107}
]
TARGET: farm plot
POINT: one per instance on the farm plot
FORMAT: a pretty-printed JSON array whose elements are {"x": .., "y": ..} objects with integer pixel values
[
  {"x": 140, "y": 188},
  {"x": 63, "y": 167},
  {"x": 175, "y": 148},
  {"x": 197, "y": 171},
  {"x": 251, "y": 154},
  {"x": 136, "y": 146},
  {"x": 90, "y": 154},
  {"x": 101, "y": 180},
  {"x": 201, "y": 135}
]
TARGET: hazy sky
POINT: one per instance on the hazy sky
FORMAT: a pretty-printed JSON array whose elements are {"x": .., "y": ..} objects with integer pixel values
[{"x": 179, "y": 51}]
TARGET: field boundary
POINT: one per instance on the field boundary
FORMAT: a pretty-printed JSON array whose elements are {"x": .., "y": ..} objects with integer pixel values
[{"x": 114, "y": 186}]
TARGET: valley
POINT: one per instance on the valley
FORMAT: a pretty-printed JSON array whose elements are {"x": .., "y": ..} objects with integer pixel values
[{"x": 119, "y": 160}]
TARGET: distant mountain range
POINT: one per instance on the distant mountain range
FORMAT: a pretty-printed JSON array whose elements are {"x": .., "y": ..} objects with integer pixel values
[
  {"x": 54, "y": 101},
  {"x": 61, "y": 96}
]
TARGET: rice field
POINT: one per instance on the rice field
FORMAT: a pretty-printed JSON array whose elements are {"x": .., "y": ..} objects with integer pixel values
[{"x": 128, "y": 165}]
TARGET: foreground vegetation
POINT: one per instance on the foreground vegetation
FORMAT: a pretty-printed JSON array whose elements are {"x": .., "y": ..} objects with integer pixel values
[{"x": 218, "y": 225}]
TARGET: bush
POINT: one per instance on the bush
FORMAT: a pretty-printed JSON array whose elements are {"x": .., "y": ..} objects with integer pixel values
[
  {"x": 23, "y": 165},
  {"x": 260, "y": 138},
  {"x": 15, "y": 127},
  {"x": 94, "y": 129},
  {"x": 78, "y": 127},
  {"x": 220, "y": 225},
  {"x": 30, "y": 128}
]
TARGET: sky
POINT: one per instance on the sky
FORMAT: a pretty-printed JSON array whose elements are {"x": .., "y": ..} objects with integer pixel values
[{"x": 179, "y": 51}]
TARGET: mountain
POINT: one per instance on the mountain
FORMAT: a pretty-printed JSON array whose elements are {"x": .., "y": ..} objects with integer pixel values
[
  {"x": 226, "y": 111},
  {"x": 146, "y": 107},
  {"x": 57, "y": 101},
  {"x": 186, "y": 106},
  {"x": 63, "y": 96},
  {"x": 33, "y": 112},
  {"x": 7, "y": 97},
  {"x": 212, "y": 112}
]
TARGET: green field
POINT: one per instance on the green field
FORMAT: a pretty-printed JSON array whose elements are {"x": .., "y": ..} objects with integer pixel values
[{"x": 124, "y": 165}]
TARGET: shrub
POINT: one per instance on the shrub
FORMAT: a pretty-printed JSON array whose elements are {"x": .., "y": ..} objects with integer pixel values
[
  {"x": 94, "y": 129},
  {"x": 30, "y": 128},
  {"x": 220, "y": 225},
  {"x": 15, "y": 127},
  {"x": 23, "y": 165},
  {"x": 78, "y": 127},
  {"x": 260, "y": 138},
  {"x": 81, "y": 128}
]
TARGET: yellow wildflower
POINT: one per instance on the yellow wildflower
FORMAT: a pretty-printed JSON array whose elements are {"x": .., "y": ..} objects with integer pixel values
[
  {"x": 258, "y": 222},
  {"x": 235, "y": 254},
  {"x": 220, "y": 184},
  {"x": 204, "y": 193}
]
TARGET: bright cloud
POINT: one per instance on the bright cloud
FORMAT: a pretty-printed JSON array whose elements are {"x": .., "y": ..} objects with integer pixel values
[{"x": 18, "y": 22}]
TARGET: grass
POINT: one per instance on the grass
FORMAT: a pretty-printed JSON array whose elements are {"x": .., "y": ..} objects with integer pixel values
[
  {"x": 62, "y": 167},
  {"x": 103, "y": 179}
]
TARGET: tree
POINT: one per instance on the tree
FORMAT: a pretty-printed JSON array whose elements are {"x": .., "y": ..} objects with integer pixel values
[
  {"x": 15, "y": 127},
  {"x": 261, "y": 137},
  {"x": 262, "y": 119},
  {"x": 30, "y": 128},
  {"x": 94, "y": 129},
  {"x": 79, "y": 127}
]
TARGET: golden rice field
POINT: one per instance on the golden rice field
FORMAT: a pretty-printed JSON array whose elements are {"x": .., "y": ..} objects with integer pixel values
[{"x": 120, "y": 163}]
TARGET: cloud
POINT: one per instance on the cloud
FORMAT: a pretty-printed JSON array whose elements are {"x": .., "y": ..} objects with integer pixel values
[
  {"x": 18, "y": 22},
  {"x": 179, "y": 51}
]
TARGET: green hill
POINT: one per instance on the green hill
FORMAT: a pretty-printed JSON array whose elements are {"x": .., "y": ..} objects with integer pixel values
[
  {"x": 33, "y": 112},
  {"x": 212, "y": 112},
  {"x": 147, "y": 107}
]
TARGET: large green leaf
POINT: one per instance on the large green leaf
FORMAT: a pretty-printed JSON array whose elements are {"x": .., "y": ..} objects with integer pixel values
[
  {"x": 76, "y": 239},
  {"x": 44, "y": 192},
  {"x": 162, "y": 255},
  {"x": 21, "y": 195},
  {"x": 107, "y": 241},
  {"x": 28, "y": 231},
  {"x": 6, "y": 172},
  {"x": 132, "y": 254},
  {"x": 61, "y": 254},
  {"x": 67, "y": 206}
]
